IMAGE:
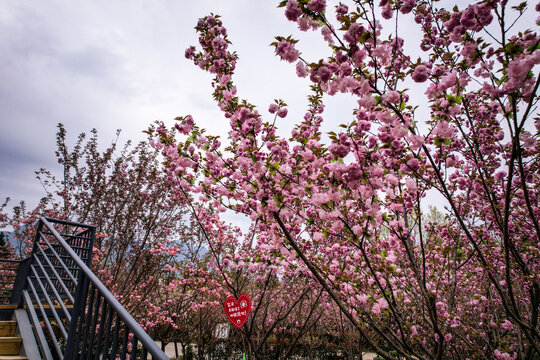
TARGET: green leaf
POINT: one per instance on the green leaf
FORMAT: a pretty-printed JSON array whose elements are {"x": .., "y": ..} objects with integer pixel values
[
  {"x": 521, "y": 7},
  {"x": 534, "y": 47}
]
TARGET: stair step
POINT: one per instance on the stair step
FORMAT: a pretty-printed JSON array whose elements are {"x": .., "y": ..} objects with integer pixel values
[
  {"x": 45, "y": 306},
  {"x": 12, "y": 357},
  {"x": 7, "y": 328},
  {"x": 8, "y": 307},
  {"x": 10, "y": 345}
]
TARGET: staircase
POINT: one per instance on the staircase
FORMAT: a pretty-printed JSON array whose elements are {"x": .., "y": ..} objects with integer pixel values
[
  {"x": 58, "y": 309},
  {"x": 16, "y": 339},
  {"x": 10, "y": 341}
]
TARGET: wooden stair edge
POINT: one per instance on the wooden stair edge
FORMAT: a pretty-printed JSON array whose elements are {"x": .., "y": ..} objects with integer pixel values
[
  {"x": 9, "y": 339},
  {"x": 7, "y": 327},
  {"x": 45, "y": 306},
  {"x": 57, "y": 307},
  {"x": 10, "y": 345}
]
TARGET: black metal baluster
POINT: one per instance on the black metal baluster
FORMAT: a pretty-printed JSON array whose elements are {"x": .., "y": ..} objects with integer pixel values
[
  {"x": 88, "y": 320},
  {"x": 75, "y": 331},
  {"x": 115, "y": 337},
  {"x": 101, "y": 327},
  {"x": 134, "y": 342},
  {"x": 144, "y": 353},
  {"x": 93, "y": 326},
  {"x": 107, "y": 334},
  {"x": 125, "y": 342}
]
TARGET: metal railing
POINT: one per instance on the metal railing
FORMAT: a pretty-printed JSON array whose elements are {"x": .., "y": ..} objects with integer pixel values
[{"x": 74, "y": 316}]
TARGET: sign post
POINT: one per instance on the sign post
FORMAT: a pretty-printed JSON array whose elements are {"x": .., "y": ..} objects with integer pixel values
[{"x": 237, "y": 311}]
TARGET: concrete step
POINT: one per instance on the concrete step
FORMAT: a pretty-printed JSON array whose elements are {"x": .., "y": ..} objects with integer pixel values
[
  {"x": 10, "y": 345},
  {"x": 7, "y": 328}
]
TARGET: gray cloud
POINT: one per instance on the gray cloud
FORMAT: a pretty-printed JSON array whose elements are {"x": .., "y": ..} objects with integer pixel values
[{"x": 120, "y": 64}]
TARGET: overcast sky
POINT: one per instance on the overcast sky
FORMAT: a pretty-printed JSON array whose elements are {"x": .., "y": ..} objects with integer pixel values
[{"x": 120, "y": 65}]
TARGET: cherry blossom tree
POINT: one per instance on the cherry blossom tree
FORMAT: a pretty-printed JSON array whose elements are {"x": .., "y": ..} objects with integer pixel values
[
  {"x": 284, "y": 303},
  {"x": 22, "y": 222},
  {"x": 350, "y": 208},
  {"x": 123, "y": 192}
]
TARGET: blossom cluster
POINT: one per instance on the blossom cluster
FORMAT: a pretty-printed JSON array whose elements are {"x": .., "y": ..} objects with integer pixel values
[{"x": 349, "y": 213}]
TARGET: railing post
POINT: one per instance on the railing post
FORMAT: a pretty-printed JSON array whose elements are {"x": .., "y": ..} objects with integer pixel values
[
  {"x": 20, "y": 282},
  {"x": 91, "y": 245},
  {"x": 36, "y": 238},
  {"x": 78, "y": 310}
]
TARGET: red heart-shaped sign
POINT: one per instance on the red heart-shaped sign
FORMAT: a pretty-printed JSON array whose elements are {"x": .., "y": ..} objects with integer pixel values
[{"x": 237, "y": 311}]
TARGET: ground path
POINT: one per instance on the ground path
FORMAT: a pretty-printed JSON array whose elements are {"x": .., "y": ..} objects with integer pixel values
[{"x": 169, "y": 351}]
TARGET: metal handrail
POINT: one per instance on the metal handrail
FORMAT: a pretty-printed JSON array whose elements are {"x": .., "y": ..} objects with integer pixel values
[
  {"x": 75, "y": 307},
  {"x": 137, "y": 330}
]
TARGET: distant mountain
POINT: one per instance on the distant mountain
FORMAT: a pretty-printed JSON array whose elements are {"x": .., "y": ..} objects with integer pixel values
[
  {"x": 8, "y": 237},
  {"x": 5, "y": 238}
]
